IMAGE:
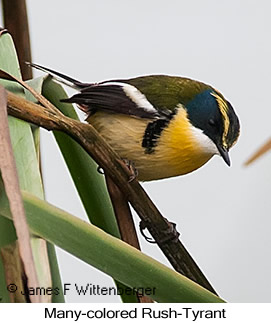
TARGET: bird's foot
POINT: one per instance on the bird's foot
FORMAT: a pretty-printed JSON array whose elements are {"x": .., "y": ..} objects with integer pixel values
[
  {"x": 132, "y": 169},
  {"x": 130, "y": 165},
  {"x": 170, "y": 234}
]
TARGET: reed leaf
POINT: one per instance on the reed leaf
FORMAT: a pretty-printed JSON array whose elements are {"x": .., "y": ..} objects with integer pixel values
[{"x": 107, "y": 253}]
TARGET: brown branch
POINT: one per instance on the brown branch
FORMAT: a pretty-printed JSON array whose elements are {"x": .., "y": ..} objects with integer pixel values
[
  {"x": 125, "y": 221},
  {"x": 123, "y": 214},
  {"x": 99, "y": 150},
  {"x": 15, "y": 20}
]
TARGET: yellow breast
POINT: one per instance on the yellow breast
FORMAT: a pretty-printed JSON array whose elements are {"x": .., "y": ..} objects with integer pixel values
[
  {"x": 180, "y": 149},
  {"x": 184, "y": 147}
]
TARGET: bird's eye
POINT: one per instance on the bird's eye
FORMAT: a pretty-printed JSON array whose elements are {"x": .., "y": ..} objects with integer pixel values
[{"x": 211, "y": 122}]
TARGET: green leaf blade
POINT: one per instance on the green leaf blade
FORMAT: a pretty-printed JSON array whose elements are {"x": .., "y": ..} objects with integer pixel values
[{"x": 108, "y": 254}]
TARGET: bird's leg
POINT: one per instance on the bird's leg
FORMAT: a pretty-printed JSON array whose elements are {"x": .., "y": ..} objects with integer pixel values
[
  {"x": 170, "y": 233},
  {"x": 130, "y": 165},
  {"x": 132, "y": 169}
]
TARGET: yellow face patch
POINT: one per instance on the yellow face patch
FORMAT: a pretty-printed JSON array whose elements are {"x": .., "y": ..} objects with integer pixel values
[{"x": 223, "y": 107}]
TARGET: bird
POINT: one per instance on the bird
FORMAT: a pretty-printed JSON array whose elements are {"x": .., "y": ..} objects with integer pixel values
[{"x": 166, "y": 126}]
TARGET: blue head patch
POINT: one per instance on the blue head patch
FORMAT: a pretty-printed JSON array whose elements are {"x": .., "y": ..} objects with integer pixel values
[
  {"x": 204, "y": 113},
  {"x": 211, "y": 113}
]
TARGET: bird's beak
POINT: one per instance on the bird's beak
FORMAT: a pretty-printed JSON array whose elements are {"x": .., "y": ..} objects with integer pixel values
[{"x": 224, "y": 154}]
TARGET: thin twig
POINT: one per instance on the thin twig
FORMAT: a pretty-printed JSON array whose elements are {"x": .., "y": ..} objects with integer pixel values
[
  {"x": 259, "y": 153},
  {"x": 49, "y": 106},
  {"x": 99, "y": 150}
]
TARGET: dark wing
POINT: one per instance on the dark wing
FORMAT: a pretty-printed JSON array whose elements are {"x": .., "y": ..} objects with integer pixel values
[
  {"x": 114, "y": 97},
  {"x": 118, "y": 96}
]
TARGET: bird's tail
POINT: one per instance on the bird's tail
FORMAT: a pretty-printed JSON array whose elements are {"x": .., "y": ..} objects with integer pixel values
[{"x": 61, "y": 78}]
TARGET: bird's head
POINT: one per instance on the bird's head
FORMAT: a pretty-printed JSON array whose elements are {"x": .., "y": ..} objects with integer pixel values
[{"x": 210, "y": 112}]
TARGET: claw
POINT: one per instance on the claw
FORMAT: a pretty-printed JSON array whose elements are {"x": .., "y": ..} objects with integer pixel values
[
  {"x": 132, "y": 169},
  {"x": 100, "y": 170},
  {"x": 142, "y": 227},
  {"x": 170, "y": 234}
]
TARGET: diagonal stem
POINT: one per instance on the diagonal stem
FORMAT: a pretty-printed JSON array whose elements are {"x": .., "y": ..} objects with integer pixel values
[{"x": 125, "y": 221}]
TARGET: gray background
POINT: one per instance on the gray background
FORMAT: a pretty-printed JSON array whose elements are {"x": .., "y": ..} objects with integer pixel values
[{"x": 222, "y": 213}]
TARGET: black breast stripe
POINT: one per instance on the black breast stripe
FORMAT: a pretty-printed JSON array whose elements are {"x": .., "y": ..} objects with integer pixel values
[{"x": 153, "y": 132}]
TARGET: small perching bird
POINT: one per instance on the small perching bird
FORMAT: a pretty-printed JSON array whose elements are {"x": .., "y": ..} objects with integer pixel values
[{"x": 165, "y": 125}]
